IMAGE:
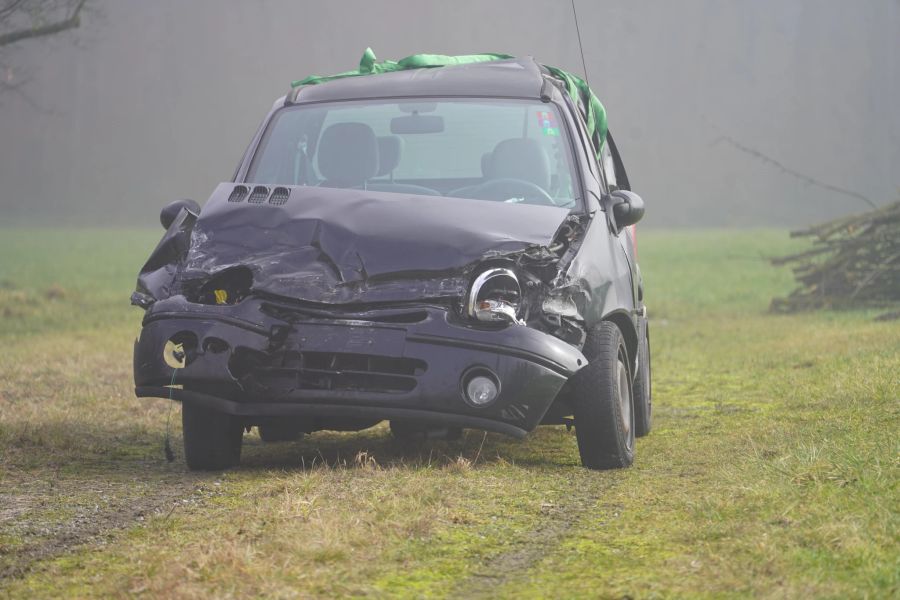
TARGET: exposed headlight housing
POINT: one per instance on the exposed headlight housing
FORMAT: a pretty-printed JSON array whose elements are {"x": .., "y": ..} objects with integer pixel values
[
  {"x": 495, "y": 296},
  {"x": 226, "y": 287},
  {"x": 563, "y": 306}
]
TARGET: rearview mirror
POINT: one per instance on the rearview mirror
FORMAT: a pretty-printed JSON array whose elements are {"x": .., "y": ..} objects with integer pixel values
[
  {"x": 628, "y": 208},
  {"x": 417, "y": 107},
  {"x": 170, "y": 211},
  {"x": 416, "y": 123}
]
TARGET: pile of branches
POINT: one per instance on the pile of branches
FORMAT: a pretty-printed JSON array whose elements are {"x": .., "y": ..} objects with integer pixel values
[{"x": 854, "y": 262}]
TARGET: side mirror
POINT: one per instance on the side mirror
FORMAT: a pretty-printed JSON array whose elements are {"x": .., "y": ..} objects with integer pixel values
[
  {"x": 627, "y": 207},
  {"x": 170, "y": 211}
]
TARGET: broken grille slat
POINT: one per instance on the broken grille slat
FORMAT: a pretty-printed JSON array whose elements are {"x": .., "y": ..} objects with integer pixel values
[
  {"x": 339, "y": 371},
  {"x": 329, "y": 372},
  {"x": 328, "y": 380}
]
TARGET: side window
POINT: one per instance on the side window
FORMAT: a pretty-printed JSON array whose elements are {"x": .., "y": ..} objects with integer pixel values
[
  {"x": 583, "y": 139},
  {"x": 609, "y": 168},
  {"x": 618, "y": 168}
]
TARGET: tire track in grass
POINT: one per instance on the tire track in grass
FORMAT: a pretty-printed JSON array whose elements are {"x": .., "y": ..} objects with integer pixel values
[
  {"x": 533, "y": 545},
  {"x": 94, "y": 518}
]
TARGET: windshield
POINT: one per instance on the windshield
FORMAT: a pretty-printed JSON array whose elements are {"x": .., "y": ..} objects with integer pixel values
[{"x": 499, "y": 150}]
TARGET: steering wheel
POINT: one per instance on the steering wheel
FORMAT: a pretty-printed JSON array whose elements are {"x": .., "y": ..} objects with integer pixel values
[{"x": 507, "y": 187}]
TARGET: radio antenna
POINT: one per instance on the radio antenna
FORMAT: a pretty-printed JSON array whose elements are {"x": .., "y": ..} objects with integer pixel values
[{"x": 580, "y": 47}]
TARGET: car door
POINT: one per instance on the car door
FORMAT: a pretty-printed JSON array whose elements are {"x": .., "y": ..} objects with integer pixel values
[
  {"x": 604, "y": 250},
  {"x": 617, "y": 179}
]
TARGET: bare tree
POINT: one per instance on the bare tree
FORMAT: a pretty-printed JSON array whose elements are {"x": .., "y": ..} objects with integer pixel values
[{"x": 25, "y": 19}]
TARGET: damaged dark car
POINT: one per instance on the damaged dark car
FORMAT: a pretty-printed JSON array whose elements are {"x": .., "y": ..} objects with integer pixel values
[{"x": 441, "y": 248}]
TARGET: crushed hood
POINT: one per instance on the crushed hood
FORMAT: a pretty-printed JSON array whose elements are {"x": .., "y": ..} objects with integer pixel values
[{"x": 347, "y": 246}]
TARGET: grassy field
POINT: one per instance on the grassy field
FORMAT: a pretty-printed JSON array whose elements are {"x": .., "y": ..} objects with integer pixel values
[{"x": 772, "y": 470}]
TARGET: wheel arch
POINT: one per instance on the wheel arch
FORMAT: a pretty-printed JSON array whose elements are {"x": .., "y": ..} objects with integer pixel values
[{"x": 625, "y": 323}]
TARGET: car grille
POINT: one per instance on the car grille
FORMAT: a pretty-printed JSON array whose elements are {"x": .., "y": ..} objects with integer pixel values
[{"x": 330, "y": 371}]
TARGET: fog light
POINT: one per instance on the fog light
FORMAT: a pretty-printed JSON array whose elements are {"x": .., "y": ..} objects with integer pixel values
[
  {"x": 180, "y": 350},
  {"x": 481, "y": 390}
]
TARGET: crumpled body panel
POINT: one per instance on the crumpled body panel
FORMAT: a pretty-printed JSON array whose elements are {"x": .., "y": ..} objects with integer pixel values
[{"x": 341, "y": 245}]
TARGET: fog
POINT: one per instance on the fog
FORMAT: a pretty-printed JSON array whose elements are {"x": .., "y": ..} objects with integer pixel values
[{"x": 147, "y": 102}]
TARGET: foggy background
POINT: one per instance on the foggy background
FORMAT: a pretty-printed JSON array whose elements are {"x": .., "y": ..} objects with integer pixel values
[{"x": 147, "y": 102}]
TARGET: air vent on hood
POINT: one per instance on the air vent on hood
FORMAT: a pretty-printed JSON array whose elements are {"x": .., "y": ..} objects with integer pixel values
[
  {"x": 280, "y": 196},
  {"x": 259, "y": 194},
  {"x": 238, "y": 193}
]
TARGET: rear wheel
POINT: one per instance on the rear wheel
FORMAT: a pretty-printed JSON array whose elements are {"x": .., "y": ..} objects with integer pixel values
[
  {"x": 212, "y": 439},
  {"x": 280, "y": 432},
  {"x": 603, "y": 402},
  {"x": 643, "y": 405}
]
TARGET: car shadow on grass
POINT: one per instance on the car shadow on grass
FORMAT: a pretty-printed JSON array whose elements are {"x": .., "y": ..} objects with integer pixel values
[{"x": 546, "y": 447}]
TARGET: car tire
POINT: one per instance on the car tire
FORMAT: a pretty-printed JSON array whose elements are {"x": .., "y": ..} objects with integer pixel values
[
  {"x": 603, "y": 402},
  {"x": 643, "y": 401},
  {"x": 212, "y": 439},
  {"x": 279, "y": 432}
]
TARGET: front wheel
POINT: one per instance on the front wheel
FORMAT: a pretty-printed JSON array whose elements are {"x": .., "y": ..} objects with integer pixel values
[
  {"x": 212, "y": 439},
  {"x": 603, "y": 403}
]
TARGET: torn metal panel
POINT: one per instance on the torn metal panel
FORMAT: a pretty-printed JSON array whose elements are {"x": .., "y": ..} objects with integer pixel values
[
  {"x": 596, "y": 280},
  {"x": 341, "y": 246},
  {"x": 157, "y": 277}
]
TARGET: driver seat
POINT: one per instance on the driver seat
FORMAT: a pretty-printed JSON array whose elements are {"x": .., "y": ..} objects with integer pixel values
[
  {"x": 520, "y": 158},
  {"x": 348, "y": 155}
]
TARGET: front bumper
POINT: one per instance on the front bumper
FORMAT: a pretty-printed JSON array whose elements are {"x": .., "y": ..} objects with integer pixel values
[{"x": 252, "y": 361}]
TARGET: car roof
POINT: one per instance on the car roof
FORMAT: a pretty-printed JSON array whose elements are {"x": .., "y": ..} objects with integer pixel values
[{"x": 514, "y": 78}]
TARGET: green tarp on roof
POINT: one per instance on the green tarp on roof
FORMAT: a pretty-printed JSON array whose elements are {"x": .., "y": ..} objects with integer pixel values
[{"x": 594, "y": 113}]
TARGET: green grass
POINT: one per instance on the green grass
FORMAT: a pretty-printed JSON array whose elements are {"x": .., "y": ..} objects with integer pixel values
[{"x": 772, "y": 469}]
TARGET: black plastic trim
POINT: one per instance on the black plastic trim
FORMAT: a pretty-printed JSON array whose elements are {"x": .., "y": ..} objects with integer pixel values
[
  {"x": 537, "y": 359},
  {"x": 294, "y": 409}
]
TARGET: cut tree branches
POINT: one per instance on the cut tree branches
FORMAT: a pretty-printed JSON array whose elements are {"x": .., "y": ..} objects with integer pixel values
[{"x": 854, "y": 262}]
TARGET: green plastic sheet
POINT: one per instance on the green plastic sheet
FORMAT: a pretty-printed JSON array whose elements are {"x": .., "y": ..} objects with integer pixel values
[{"x": 577, "y": 88}]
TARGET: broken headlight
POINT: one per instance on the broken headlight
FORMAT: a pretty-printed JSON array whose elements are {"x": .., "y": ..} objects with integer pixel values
[
  {"x": 495, "y": 296},
  {"x": 226, "y": 287},
  {"x": 562, "y": 305}
]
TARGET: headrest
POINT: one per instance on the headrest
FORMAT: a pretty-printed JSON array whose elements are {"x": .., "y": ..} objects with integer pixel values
[
  {"x": 348, "y": 153},
  {"x": 390, "y": 147},
  {"x": 521, "y": 158},
  {"x": 486, "y": 164}
]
